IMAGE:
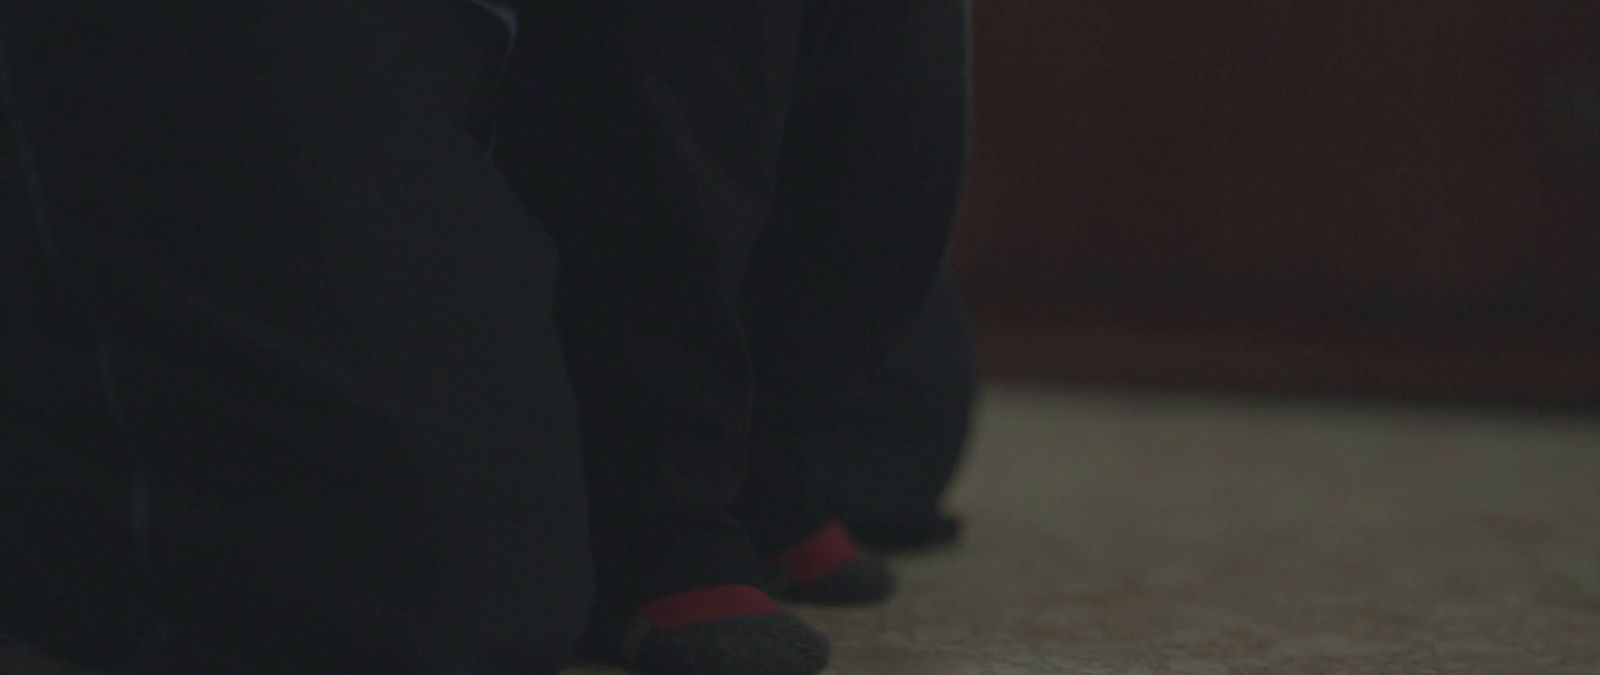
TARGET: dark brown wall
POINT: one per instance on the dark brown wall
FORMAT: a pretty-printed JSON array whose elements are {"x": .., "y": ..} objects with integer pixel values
[{"x": 1177, "y": 192}]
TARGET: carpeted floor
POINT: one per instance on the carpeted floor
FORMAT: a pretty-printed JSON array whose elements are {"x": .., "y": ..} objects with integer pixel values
[
  {"x": 1152, "y": 535},
  {"x": 1137, "y": 534}
]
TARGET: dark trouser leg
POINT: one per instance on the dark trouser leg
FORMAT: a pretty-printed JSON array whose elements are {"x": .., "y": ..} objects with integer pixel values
[
  {"x": 324, "y": 325},
  {"x": 872, "y": 166},
  {"x": 649, "y": 132},
  {"x": 884, "y": 448}
]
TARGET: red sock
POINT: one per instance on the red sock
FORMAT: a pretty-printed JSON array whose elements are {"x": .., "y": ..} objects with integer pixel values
[
  {"x": 706, "y": 604},
  {"x": 826, "y": 552},
  {"x": 716, "y": 630}
]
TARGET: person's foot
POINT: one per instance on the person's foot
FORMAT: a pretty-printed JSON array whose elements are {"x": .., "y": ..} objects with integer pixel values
[
  {"x": 830, "y": 568},
  {"x": 910, "y": 535},
  {"x": 718, "y": 630}
]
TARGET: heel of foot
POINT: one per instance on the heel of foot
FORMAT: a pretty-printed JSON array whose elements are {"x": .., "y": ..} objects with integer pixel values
[
  {"x": 771, "y": 644},
  {"x": 865, "y": 580},
  {"x": 715, "y": 631},
  {"x": 831, "y": 568}
]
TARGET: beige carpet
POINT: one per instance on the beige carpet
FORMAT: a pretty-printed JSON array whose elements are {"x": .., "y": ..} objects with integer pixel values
[
  {"x": 1154, "y": 535},
  {"x": 1124, "y": 535}
]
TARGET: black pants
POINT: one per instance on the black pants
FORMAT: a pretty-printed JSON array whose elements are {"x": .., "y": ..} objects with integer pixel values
[
  {"x": 751, "y": 198},
  {"x": 886, "y": 445},
  {"x": 282, "y": 393}
]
